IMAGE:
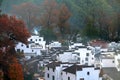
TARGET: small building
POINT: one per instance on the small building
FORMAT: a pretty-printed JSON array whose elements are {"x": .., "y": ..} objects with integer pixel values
[
  {"x": 86, "y": 56},
  {"x": 55, "y": 44},
  {"x": 54, "y": 69},
  {"x": 75, "y": 45},
  {"x": 68, "y": 56},
  {"x": 33, "y": 48},
  {"x": 117, "y": 62},
  {"x": 107, "y": 60},
  {"x": 81, "y": 72}
]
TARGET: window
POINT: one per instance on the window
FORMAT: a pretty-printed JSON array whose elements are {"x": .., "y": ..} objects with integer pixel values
[
  {"x": 39, "y": 39},
  {"x": 88, "y": 73},
  {"x": 27, "y": 46},
  {"x": 82, "y": 61},
  {"x": 32, "y": 50},
  {"x": 113, "y": 61},
  {"x": 18, "y": 50},
  {"x": 61, "y": 73},
  {"x": 48, "y": 75},
  {"x": 81, "y": 78},
  {"x": 22, "y": 51},
  {"x": 86, "y": 59},
  {"x": 36, "y": 39},
  {"x": 53, "y": 69},
  {"x": 87, "y": 54},
  {"x": 22, "y": 45},
  {"x": 48, "y": 68},
  {"x": 31, "y": 56},
  {"x": 68, "y": 78},
  {"x": 30, "y": 39},
  {"x": 53, "y": 77},
  {"x": 86, "y": 63}
]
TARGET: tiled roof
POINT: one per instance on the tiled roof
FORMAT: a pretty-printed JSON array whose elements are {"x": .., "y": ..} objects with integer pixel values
[
  {"x": 101, "y": 43},
  {"x": 112, "y": 72},
  {"x": 75, "y": 68},
  {"x": 53, "y": 64}
]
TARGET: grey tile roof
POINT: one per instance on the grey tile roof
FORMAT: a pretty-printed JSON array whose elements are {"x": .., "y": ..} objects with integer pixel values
[
  {"x": 74, "y": 68},
  {"x": 53, "y": 64},
  {"x": 112, "y": 72}
]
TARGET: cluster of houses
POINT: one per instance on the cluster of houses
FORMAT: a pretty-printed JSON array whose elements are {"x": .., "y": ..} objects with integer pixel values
[{"x": 75, "y": 62}]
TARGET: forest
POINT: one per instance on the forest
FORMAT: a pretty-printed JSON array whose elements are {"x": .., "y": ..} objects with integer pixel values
[{"x": 89, "y": 18}]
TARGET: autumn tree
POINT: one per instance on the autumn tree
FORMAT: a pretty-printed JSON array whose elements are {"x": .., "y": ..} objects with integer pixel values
[
  {"x": 63, "y": 23},
  {"x": 12, "y": 30},
  {"x": 55, "y": 18},
  {"x": 29, "y": 12},
  {"x": 49, "y": 18}
]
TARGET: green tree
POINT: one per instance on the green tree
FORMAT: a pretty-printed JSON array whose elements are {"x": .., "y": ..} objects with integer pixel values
[
  {"x": 90, "y": 30},
  {"x": 48, "y": 34}
]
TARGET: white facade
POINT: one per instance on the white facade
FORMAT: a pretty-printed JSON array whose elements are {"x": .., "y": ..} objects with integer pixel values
[
  {"x": 86, "y": 56},
  {"x": 108, "y": 63},
  {"x": 65, "y": 76},
  {"x": 34, "y": 47},
  {"x": 75, "y": 45},
  {"x": 37, "y": 40},
  {"x": 56, "y": 72},
  {"x": 55, "y": 69},
  {"x": 107, "y": 60},
  {"x": 117, "y": 62},
  {"x": 85, "y": 73},
  {"x": 93, "y": 74},
  {"x": 68, "y": 57},
  {"x": 55, "y": 44}
]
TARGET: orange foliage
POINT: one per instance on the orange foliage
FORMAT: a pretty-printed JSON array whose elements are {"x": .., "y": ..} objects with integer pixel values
[
  {"x": 49, "y": 19},
  {"x": 63, "y": 19},
  {"x": 29, "y": 12},
  {"x": 56, "y": 16},
  {"x": 15, "y": 70},
  {"x": 12, "y": 30}
]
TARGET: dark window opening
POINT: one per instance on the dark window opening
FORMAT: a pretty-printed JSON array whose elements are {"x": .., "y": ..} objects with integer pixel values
[
  {"x": 68, "y": 78},
  {"x": 81, "y": 78},
  {"x": 27, "y": 46},
  {"x": 53, "y": 77},
  {"x": 87, "y": 54},
  {"x": 48, "y": 68},
  {"x": 48, "y": 75},
  {"x": 22, "y": 45},
  {"x": 86, "y": 59},
  {"x": 88, "y": 73},
  {"x": 18, "y": 50},
  {"x": 53, "y": 69}
]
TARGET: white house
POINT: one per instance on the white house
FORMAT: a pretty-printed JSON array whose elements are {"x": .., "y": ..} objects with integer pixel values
[
  {"x": 74, "y": 45},
  {"x": 107, "y": 60},
  {"x": 81, "y": 72},
  {"x": 53, "y": 70},
  {"x": 86, "y": 56},
  {"x": 117, "y": 62},
  {"x": 86, "y": 53},
  {"x": 68, "y": 56},
  {"x": 34, "y": 47},
  {"x": 55, "y": 44}
]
